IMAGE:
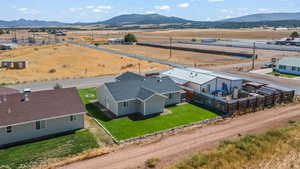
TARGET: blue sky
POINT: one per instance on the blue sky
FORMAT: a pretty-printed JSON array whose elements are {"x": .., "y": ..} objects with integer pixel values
[{"x": 98, "y": 10}]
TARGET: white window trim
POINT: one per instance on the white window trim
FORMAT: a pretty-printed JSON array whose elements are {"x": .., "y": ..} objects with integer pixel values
[{"x": 41, "y": 124}]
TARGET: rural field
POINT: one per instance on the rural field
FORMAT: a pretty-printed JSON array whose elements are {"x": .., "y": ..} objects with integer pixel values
[
  {"x": 182, "y": 57},
  {"x": 50, "y": 62},
  {"x": 256, "y": 33},
  {"x": 179, "y": 34}
]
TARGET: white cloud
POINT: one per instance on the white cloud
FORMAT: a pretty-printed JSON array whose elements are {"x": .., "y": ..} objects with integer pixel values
[
  {"x": 163, "y": 7},
  {"x": 22, "y": 9},
  {"x": 103, "y": 7},
  {"x": 75, "y": 9},
  {"x": 90, "y": 7},
  {"x": 263, "y": 9},
  {"x": 149, "y": 12},
  {"x": 183, "y": 5}
]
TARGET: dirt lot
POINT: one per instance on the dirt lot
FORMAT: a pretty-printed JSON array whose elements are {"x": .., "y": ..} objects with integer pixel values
[
  {"x": 61, "y": 61},
  {"x": 182, "y": 57},
  {"x": 170, "y": 149}
]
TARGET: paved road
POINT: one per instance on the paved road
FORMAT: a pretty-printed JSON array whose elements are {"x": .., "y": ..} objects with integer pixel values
[
  {"x": 128, "y": 55},
  {"x": 79, "y": 83},
  {"x": 177, "y": 146},
  {"x": 238, "y": 43}
]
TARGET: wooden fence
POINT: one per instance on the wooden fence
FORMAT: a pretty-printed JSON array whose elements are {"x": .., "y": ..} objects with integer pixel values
[{"x": 244, "y": 105}]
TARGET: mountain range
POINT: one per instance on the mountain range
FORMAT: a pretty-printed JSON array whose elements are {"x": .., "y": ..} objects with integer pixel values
[
  {"x": 139, "y": 19},
  {"x": 265, "y": 17}
]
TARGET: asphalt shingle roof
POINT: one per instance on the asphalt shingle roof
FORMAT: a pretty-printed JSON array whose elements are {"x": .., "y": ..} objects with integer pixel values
[
  {"x": 40, "y": 105},
  {"x": 130, "y": 76},
  {"x": 132, "y": 89}
]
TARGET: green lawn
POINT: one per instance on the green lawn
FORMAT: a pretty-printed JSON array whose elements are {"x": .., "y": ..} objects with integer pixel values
[
  {"x": 282, "y": 74},
  {"x": 129, "y": 127},
  {"x": 88, "y": 95},
  {"x": 32, "y": 154}
]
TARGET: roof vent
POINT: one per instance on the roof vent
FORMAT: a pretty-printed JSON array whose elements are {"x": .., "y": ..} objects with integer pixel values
[
  {"x": 159, "y": 80},
  {"x": 25, "y": 99}
]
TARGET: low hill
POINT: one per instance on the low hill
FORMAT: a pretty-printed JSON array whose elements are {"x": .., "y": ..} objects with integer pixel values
[
  {"x": 144, "y": 19},
  {"x": 265, "y": 17},
  {"x": 30, "y": 23}
]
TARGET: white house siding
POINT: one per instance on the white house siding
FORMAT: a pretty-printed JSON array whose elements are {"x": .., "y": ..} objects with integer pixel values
[
  {"x": 174, "y": 99},
  {"x": 154, "y": 104},
  {"x": 229, "y": 83},
  {"x": 28, "y": 131},
  {"x": 105, "y": 98},
  {"x": 133, "y": 107},
  {"x": 288, "y": 70}
]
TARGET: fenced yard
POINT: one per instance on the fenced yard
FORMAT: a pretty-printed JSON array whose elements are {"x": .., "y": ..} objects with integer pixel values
[{"x": 134, "y": 126}]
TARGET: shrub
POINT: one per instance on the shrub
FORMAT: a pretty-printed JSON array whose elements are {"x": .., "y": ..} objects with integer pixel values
[
  {"x": 52, "y": 70},
  {"x": 194, "y": 40},
  {"x": 152, "y": 163},
  {"x": 57, "y": 86},
  {"x": 130, "y": 38},
  {"x": 97, "y": 44}
]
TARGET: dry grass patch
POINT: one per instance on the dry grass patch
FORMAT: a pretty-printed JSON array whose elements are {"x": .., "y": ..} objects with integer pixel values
[{"x": 61, "y": 61}]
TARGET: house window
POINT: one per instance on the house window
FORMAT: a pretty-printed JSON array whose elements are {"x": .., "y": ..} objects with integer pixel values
[
  {"x": 282, "y": 67},
  {"x": 298, "y": 69},
  {"x": 8, "y": 129},
  {"x": 125, "y": 104},
  {"x": 294, "y": 68},
  {"x": 40, "y": 125},
  {"x": 72, "y": 118},
  {"x": 170, "y": 96}
]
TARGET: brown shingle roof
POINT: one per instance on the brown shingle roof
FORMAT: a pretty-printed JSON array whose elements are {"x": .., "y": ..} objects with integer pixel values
[
  {"x": 7, "y": 91},
  {"x": 40, "y": 105}
]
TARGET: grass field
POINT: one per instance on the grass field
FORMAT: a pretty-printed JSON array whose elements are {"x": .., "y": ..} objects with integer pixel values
[
  {"x": 33, "y": 154},
  {"x": 282, "y": 74},
  {"x": 129, "y": 127},
  {"x": 276, "y": 149},
  {"x": 51, "y": 62}
]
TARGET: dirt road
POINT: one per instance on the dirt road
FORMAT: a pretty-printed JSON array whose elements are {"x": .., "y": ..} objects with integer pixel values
[{"x": 174, "y": 147}]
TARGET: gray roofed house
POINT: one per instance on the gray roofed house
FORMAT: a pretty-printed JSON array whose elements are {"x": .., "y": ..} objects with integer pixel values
[
  {"x": 288, "y": 65},
  {"x": 129, "y": 76},
  {"x": 29, "y": 116},
  {"x": 134, "y": 93}
]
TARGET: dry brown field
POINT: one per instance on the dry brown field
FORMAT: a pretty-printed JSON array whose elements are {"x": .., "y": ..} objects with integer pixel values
[
  {"x": 222, "y": 33},
  {"x": 61, "y": 61},
  {"x": 182, "y": 57}
]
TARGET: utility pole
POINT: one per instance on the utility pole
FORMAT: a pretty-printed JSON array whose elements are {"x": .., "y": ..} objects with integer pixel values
[
  {"x": 170, "y": 47},
  {"x": 254, "y": 55},
  {"x": 139, "y": 64}
]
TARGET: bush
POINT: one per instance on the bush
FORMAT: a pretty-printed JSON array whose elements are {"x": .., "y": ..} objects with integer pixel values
[
  {"x": 97, "y": 44},
  {"x": 130, "y": 38},
  {"x": 295, "y": 35},
  {"x": 57, "y": 86},
  {"x": 52, "y": 70},
  {"x": 152, "y": 163},
  {"x": 194, "y": 40}
]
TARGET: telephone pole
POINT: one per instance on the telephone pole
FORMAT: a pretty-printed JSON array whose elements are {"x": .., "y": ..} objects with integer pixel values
[
  {"x": 254, "y": 55},
  {"x": 171, "y": 39}
]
